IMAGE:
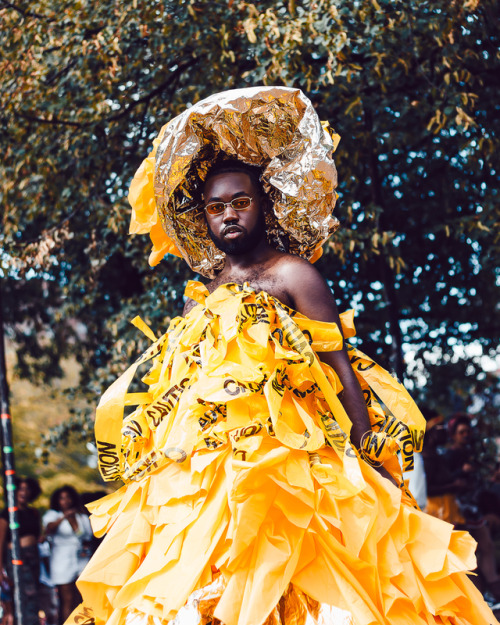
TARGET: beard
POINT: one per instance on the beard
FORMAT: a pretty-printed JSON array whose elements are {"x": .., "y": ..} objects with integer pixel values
[{"x": 244, "y": 243}]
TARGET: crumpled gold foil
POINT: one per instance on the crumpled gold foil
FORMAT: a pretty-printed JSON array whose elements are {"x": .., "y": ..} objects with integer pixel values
[
  {"x": 275, "y": 128},
  {"x": 294, "y": 608}
]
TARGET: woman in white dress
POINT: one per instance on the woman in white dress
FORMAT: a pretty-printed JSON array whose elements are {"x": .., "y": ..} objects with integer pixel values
[{"x": 68, "y": 529}]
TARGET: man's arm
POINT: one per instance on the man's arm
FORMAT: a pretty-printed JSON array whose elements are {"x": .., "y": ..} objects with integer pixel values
[{"x": 312, "y": 297}]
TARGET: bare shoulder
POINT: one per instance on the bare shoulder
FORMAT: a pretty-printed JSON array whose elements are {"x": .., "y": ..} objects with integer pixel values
[
  {"x": 307, "y": 289},
  {"x": 292, "y": 265},
  {"x": 300, "y": 276}
]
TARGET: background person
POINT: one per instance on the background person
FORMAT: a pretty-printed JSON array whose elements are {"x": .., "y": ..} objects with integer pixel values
[
  {"x": 68, "y": 528},
  {"x": 47, "y": 592},
  {"x": 27, "y": 490},
  {"x": 90, "y": 545},
  {"x": 452, "y": 482},
  {"x": 462, "y": 463},
  {"x": 442, "y": 484}
]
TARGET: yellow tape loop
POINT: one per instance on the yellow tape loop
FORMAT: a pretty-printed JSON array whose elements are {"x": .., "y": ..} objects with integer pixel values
[{"x": 377, "y": 447}]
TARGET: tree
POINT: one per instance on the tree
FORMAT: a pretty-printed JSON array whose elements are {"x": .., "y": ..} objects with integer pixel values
[{"x": 409, "y": 86}]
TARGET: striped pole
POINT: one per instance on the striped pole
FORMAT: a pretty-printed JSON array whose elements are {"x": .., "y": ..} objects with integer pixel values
[{"x": 9, "y": 472}]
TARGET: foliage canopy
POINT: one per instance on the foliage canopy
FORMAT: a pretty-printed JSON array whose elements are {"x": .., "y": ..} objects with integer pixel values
[{"x": 410, "y": 87}]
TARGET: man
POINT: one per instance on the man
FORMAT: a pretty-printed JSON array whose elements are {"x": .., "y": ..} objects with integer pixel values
[
  {"x": 241, "y": 234},
  {"x": 245, "y": 502}
]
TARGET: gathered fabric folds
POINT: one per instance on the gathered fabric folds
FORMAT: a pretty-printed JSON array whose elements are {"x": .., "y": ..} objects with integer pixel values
[{"x": 244, "y": 502}]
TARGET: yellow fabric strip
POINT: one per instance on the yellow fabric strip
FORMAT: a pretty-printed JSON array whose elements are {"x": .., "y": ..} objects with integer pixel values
[
  {"x": 135, "y": 399},
  {"x": 109, "y": 412},
  {"x": 141, "y": 325},
  {"x": 406, "y": 424}
]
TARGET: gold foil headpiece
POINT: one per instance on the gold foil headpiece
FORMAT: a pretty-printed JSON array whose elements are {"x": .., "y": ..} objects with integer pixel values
[{"x": 274, "y": 128}]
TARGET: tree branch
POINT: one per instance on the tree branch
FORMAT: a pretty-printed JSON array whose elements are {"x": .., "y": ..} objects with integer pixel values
[
  {"x": 61, "y": 72},
  {"x": 156, "y": 91},
  {"x": 145, "y": 99},
  {"x": 24, "y": 13}
]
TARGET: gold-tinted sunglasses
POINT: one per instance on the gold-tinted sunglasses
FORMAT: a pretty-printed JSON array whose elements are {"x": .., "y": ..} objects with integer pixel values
[{"x": 239, "y": 204}]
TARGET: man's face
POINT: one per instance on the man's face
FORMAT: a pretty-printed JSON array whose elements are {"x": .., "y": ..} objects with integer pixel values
[{"x": 234, "y": 232}]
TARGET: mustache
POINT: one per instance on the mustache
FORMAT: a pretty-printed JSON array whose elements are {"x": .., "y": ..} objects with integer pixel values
[{"x": 232, "y": 228}]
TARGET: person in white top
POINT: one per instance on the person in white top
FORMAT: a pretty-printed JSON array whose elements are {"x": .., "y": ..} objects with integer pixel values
[{"x": 67, "y": 529}]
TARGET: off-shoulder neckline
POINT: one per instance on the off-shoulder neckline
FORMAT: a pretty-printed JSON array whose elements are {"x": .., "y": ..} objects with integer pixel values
[{"x": 247, "y": 286}]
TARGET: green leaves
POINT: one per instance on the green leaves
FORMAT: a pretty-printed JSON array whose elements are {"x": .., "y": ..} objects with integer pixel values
[{"x": 410, "y": 87}]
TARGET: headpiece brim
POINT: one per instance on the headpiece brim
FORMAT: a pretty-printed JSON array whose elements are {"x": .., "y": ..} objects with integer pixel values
[{"x": 274, "y": 128}]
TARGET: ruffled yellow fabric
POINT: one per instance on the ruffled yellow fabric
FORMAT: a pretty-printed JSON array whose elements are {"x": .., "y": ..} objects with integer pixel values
[
  {"x": 240, "y": 478},
  {"x": 144, "y": 217}
]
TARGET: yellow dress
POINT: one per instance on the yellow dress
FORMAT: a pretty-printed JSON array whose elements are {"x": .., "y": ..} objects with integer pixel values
[{"x": 244, "y": 502}]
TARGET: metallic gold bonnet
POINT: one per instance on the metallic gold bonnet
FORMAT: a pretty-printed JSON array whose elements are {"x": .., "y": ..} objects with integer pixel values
[{"x": 275, "y": 128}]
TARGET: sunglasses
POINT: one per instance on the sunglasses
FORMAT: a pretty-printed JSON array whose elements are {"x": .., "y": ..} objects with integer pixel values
[{"x": 238, "y": 204}]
